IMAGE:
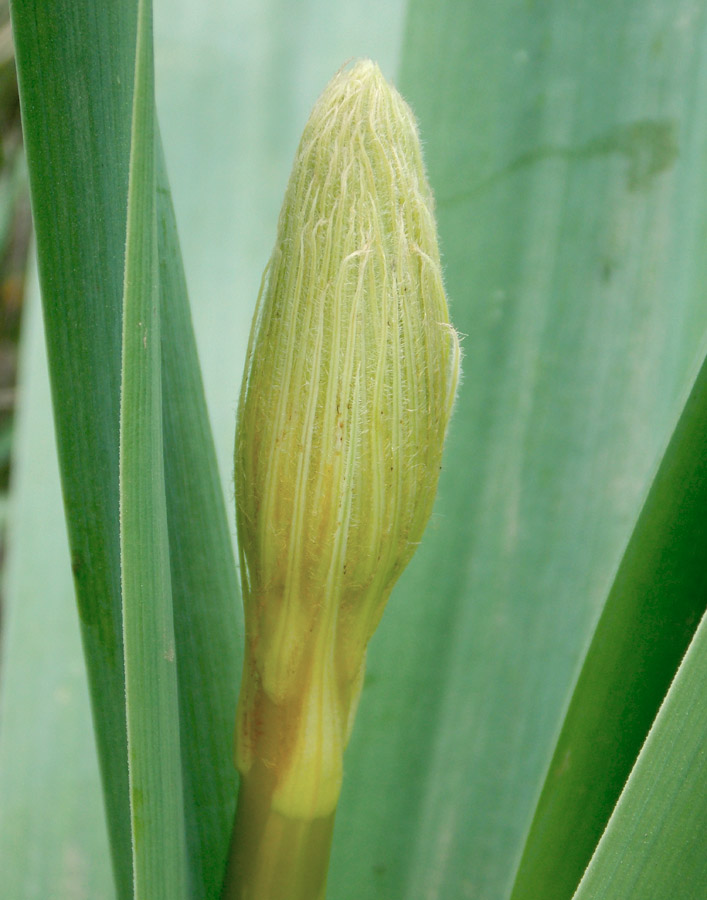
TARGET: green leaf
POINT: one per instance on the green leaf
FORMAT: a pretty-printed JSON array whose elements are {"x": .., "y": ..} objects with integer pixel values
[
  {"x": 654, "y": 844},
  {"x": 207, "y": 612},
  {"x": 655, "y": 604},
  {"x": 79, "y": 153},
  {"x": 154, "y": 758},
  {"x": 69, "y": 61},
  {"x": 565, "y": 146}
]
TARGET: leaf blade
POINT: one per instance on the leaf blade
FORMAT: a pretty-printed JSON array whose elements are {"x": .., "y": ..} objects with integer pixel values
[
  {"x": 77, "y": 151},
  {"x": 151, "y": 700},
  {"x": 207, "y": 616},
  {"x": 654, "y": 843},
  {"x": 649, "y": 619},
  {"x": 558, "y": 272}
]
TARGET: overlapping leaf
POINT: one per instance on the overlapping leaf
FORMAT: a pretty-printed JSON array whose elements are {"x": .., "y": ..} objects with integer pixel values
[
  {"x": 76, "y": 68},
  {"x": 656, "y": 602}
]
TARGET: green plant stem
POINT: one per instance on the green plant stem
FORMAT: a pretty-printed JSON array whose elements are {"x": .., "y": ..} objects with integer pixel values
[{"x": 272, "y": 856}]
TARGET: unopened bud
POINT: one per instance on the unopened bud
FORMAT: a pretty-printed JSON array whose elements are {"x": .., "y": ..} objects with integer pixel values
[{"x": 348, "y": 388}]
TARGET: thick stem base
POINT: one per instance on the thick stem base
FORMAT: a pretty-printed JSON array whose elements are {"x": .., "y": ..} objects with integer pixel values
[{"x": 272, "y": 856}]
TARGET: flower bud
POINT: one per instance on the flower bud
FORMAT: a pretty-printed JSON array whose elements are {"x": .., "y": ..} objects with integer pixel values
[{"x": 348, "y": 388}]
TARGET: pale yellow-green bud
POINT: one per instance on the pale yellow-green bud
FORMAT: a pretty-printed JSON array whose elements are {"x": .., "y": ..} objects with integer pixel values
[{"x": 348, "y": 388}]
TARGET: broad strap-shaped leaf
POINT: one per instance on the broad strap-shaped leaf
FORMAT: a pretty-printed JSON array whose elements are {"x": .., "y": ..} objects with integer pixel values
[
  {"x": 152, "y": 714},
  {"x": 75, "y": 64},
  {"x": 570, "y": 190},
  {"x": 205, "y": 594},
  {"x": 654, "y": 845},
  {"x": 655, "y": 604},
  {"x": 76, "y": 67}
]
